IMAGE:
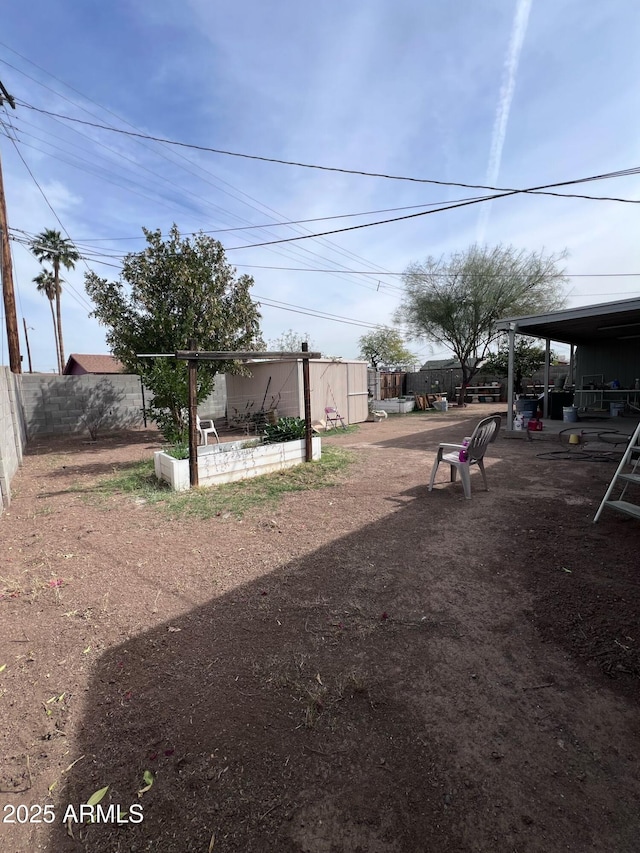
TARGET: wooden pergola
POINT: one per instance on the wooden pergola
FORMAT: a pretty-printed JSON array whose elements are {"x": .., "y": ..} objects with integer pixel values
[{"x": 193, "y": 356}]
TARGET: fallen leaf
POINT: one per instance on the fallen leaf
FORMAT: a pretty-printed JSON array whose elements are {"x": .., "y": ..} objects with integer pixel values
[
  {"x": 3, "y": 667},
  {"x": 98, "y": 796},
  {"x": 147, "y": 778}
]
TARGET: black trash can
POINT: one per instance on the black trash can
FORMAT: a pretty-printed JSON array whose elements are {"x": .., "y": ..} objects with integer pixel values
[{"x": 558, "y": 400}]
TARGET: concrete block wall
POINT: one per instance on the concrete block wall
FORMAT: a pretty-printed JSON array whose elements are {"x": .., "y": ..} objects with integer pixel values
[
  {"x": 215, "y": 405},
  {"x": 13, "y": 436},
  {"x": 54, "y": 405}
]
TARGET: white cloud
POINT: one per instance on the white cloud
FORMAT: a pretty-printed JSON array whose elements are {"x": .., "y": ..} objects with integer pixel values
[{"x": 518, "y": 33}]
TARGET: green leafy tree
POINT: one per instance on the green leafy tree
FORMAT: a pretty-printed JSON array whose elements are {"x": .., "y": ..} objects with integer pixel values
[
  {"x": 46, "y": 283},
  {"x": 527, "y": 358},
  {"x": 385, "y": 347},
  {"x": 456, "y": 301},
  {"x": 291, "y": 341},
  {"x": 51, "y": 247},
  {"x": 167, "y": 294}
]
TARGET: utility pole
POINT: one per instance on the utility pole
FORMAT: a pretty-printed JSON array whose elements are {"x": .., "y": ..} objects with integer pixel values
[{"x": 13, "y": 340}]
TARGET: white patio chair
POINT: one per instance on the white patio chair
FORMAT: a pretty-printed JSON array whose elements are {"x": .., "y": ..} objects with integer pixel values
[
  {"x": 461, "y": 457},
  {"x": 205, "y": 428}
]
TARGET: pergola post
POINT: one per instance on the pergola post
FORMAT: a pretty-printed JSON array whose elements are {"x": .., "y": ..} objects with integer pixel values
[
  {"x": 193, "y": 415},
  {"x": 306, "y": 392}
]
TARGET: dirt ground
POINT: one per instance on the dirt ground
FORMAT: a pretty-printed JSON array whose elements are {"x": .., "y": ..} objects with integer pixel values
[{"x": 367, "y": 667}]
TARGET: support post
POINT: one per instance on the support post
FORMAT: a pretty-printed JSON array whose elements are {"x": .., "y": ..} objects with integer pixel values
[
  {"x": 306, "y": 390},
  {"x": 512, "y": 340},
  {"x": 144, "y": 404},
  {"x": 193, "y": 414},
  {"x": 572, "y": 365},
  {"x": 547, "y": 373}
]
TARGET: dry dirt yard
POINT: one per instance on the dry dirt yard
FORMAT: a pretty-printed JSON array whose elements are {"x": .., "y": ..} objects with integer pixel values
[{"x": 365, "y": 667}]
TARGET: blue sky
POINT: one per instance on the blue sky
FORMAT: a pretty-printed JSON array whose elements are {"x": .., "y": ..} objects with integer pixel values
[{"x": 513, "y": 92}]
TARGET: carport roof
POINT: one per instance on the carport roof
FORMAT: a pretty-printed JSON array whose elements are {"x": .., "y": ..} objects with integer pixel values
[{"x": 609, "y": 321}]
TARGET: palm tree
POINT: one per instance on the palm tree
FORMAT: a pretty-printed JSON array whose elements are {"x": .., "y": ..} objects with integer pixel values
[
  {"x": 46, "y": 283},
  {"x": 52, "y": 247}
]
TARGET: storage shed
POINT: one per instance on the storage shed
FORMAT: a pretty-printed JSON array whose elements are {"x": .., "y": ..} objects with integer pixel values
[{"x": 277, "y": 386}]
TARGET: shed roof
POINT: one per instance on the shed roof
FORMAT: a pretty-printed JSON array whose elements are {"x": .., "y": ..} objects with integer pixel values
[{"x": 608, "y": 321}]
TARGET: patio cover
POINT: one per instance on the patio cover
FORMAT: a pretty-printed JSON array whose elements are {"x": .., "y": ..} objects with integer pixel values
[{"x": 607, "y": 321}]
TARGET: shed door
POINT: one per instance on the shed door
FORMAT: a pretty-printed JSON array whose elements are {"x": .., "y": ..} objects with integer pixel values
[{"x": 357, "y": 393}]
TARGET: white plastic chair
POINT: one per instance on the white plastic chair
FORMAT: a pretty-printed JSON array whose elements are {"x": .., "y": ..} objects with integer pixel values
[
  {"x": 461, "y": 457},
  {"x": 205, "y": 428}
]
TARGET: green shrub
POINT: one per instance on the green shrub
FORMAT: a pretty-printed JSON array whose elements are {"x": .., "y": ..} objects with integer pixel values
[
  {"x": 179, "y": 451},
  {"x": 286, "y": 429}
]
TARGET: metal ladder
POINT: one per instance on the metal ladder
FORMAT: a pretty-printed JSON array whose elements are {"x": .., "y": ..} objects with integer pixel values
[{"x": 630, "y": 458}]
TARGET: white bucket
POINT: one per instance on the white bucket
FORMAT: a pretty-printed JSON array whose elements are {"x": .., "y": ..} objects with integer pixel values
[
  {"x": 570, "y": 414},
  {"x": 616, "y": 409}
]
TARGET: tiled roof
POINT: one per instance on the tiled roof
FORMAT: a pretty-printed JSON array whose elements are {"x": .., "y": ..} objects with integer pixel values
[{"x": 95, "y": 363}]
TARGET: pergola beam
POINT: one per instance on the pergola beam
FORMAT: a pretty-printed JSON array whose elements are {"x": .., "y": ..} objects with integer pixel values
[{"x": 194, "y": 355}]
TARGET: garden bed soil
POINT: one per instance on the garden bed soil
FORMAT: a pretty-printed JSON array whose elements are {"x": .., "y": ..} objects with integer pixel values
[{"x": 366, "y": 667}]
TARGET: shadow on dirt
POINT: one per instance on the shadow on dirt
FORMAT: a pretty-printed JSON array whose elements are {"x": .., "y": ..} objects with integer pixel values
[
  {"x": 388, "y": 692},
  {"x": 78, "y": 443}
]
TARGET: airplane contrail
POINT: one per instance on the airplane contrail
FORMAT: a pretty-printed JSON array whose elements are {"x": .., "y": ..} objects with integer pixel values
[{"x": 518, "y": 33}]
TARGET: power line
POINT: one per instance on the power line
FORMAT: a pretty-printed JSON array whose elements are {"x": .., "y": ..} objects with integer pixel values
[
  {"x": 333, "y": 247},
  {"x": 482, "y": 275},
  {"x": 543, "y": 190},
  {"x": 320, "y": 315},
  {"x": 336, "y": 272},
  {"x": 290, "y": 222},
  {"x": 78, "y": 297},
  {"x": 95, "y": 256},
  {"x": 428, "y": 212},
  {"x": 323, "y": 234}
]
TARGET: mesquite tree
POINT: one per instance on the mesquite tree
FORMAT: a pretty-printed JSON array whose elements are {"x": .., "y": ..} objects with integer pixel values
[{"x": 456, "y": 301}]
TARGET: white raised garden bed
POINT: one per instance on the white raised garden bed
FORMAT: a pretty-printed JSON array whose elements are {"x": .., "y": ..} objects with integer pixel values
[
  {"x": 394, "y": 404},
  {"x": 231, "y": 461}
]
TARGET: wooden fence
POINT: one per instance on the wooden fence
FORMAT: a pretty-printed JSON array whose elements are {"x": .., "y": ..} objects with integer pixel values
[{"x": 392, "y": 385}]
